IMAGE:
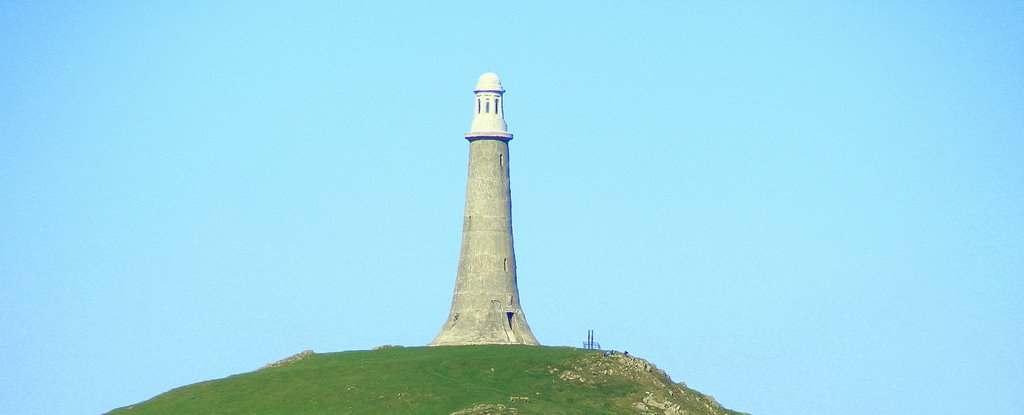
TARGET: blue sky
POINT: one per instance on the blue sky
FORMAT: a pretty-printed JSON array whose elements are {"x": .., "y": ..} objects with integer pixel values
[{"x": 797, "y": 207}]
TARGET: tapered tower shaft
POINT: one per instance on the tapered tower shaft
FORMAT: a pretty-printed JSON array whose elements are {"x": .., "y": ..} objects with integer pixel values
[{"x": 485, "y": 306}]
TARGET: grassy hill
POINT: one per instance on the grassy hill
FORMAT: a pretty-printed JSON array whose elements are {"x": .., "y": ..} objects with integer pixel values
[{"x": 461, "y": 380}]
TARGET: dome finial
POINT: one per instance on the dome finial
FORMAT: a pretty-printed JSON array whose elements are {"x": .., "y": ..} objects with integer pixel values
[{"x": 489, "y": 82}]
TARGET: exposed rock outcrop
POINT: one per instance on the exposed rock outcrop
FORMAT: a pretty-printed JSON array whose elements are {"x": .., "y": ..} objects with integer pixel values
[
  {"x": 290, "y": 359},
  {"x": 660, "y": 394},
  {"x": 487, "y": 409}
]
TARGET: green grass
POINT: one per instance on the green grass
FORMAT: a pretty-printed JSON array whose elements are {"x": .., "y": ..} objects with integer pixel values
[{"x": 423, "y": 380}]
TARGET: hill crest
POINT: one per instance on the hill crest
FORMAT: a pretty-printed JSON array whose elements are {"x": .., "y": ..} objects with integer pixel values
[{"x": 456, "y": 380}]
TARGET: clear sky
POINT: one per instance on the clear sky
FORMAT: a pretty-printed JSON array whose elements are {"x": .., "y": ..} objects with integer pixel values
[{"x": 797, "y": 207}]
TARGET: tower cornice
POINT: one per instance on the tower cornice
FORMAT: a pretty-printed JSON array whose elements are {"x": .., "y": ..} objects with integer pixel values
[{"x": 491, "y": 135}]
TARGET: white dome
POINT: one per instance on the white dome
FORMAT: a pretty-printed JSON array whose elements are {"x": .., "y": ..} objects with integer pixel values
[{"x": 489, "y": 82}]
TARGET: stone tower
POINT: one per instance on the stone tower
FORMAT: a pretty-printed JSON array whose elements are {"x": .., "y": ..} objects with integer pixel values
[{"x": 485, "y": 306}]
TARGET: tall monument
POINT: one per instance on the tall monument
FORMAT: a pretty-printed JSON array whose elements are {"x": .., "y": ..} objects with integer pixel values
[{"x": 485, "y": 306}]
